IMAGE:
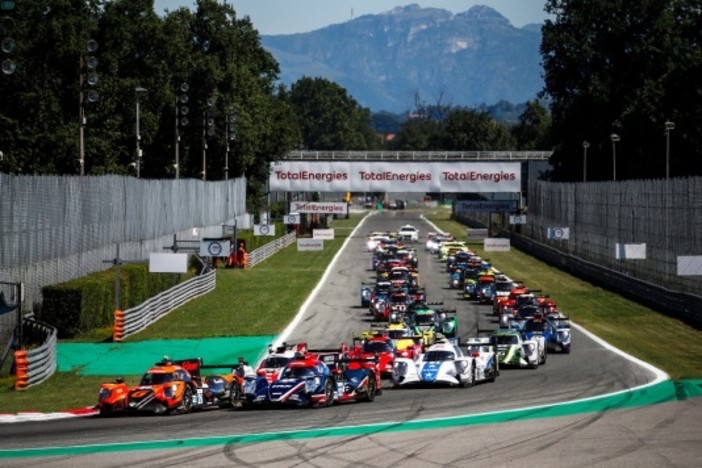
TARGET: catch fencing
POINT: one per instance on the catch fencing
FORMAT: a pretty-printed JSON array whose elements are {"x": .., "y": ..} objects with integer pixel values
[
  {"x": 56, "y": 228},
  {"x": 665, "y": 215}
]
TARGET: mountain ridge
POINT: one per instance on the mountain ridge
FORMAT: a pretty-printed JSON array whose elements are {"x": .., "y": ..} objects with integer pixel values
[{"x": 389, "y": 60}]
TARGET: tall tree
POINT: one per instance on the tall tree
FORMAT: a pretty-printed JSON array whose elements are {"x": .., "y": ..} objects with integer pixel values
[
  {"x": 329, "y": 118},
  {"x": 467, "y": 130},
  {"x": 532, "y": 131},
  {"x": 613, "y": 69}
]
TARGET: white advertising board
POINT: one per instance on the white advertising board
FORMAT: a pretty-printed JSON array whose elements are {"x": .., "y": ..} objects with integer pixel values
[
  {"x": 292, "y": 218},
  {"x": 558, "y": 233},
  {"x": 307, "y": 244},
  {"x": 394, "y": 176},
  {"x": 690, "y": 265},
  {"x": 630, "y": 251},
  {"x": 514, "y": 219},
  {"x": 493, "y": 244},
  {"x": 264, "y": 230},
  {"x": 319, "y": 207},
  {"x": 168, "y": 263},
  {"x": 214, "y": 248},
  {"x": 324, "y": 234}
]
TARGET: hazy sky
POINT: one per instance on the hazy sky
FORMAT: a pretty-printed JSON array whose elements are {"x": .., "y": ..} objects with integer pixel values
[{"x": 293, "y": 16}]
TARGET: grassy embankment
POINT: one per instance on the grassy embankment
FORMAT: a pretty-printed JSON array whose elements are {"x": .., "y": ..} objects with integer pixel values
[{"x": 667, "y": 343}]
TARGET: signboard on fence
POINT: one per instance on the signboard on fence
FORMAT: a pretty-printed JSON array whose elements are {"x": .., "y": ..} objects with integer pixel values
[
  {"x": 517, "y": 219},
  {"x": 292, "y": 218},
  {"x": 307, "y": 244},
  {"x": 168, "y": 263},
  {"x": 215, "y": 248},
  {"x": 630, "y": 251},
  {"x": 690, "y": 265},
  {"x": 324, "y": 234},
  {"x": 558, "y": 233},
  {"x": 495, "y": 244},
  {"x": 264, "y": 230}
]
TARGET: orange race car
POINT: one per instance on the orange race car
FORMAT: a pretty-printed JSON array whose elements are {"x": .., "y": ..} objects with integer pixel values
[{"x": 172, "y": 387}]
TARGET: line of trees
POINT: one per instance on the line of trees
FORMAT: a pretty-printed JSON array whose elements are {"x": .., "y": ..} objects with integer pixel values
[{"x": 609, "y": 69}]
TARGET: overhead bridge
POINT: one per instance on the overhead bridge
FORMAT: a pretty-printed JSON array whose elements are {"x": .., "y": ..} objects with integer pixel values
[{"x": 514, "y": 156}]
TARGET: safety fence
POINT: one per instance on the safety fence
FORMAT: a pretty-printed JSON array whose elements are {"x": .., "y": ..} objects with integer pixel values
[
  {"x": 33, "y": 366},
  {"x": 262, "y": 253},
  {"x": 136, "y": 319}
]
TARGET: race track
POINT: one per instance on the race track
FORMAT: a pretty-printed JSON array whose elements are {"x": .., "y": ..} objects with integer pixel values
[{"x": 335, "y": 315}]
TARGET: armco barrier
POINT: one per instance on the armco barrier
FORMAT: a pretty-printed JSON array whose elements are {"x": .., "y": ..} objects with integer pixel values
[
  {"x": 262, "y": 253},
  {"x": 38, "y": 364},
  {"x": 137, "y": 318}
]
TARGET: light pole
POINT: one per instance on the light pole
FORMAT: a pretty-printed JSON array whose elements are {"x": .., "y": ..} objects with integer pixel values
[
  {"x": 138, "y": 90},
  {"x": 207, "y": 129},
  {"x": 181, "y": 118},
  {"x": 91, "y": 64},
  {"x": 615, "y": 138},
  {"x": 586, "y": 145},
  {"x": 668, "y": 127},
  {"x": 230, "y": 135}
]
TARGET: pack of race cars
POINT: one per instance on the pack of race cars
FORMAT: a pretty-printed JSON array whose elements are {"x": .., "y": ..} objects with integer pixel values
[{"x": 412, "y": 342}]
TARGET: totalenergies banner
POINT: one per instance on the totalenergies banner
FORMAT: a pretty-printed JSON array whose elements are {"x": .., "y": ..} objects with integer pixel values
[{"x": 379, "y": 176}]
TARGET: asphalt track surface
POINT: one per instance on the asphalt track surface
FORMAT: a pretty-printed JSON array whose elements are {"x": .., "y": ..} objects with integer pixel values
[{"x": 665, "y": 434}]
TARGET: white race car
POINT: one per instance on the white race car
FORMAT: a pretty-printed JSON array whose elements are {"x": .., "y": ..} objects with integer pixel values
[
  {"x": 487, "y": 367},
  {"x": 442, "y": 363},
  {"x": 409, "y": 233}
]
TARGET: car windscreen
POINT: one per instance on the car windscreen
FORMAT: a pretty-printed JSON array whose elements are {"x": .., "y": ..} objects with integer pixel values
[
  {"x": 506, "y": 339},
  {"x": 298, "y": 373},
  {"x": 437, "y": 356},
  {"x": 275, "y": 362},
  {"x": 377, "y": 347},
  {"x": 157, "y": 378}
]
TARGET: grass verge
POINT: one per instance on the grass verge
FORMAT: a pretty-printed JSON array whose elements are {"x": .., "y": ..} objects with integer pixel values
[{"x": 665, "y": 342}]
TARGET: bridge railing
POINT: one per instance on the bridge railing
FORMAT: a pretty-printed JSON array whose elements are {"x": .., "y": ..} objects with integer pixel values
[{"x": 421, "y": 155}]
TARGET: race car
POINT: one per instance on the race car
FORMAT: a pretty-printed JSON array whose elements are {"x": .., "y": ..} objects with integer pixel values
[
  {"x": 487, "y": 367},
  {"x": 277, "y": 358},
  {"x": 309, "y": 382},
  {"x": 514, "y": 350},
  {"x": 408, "y": 233},
  {"x": 407, "y": 343},
  {"x": 376, "y": 344},
  {"x": 170, "y": 387},
  {"x": 442, "y": 363}
]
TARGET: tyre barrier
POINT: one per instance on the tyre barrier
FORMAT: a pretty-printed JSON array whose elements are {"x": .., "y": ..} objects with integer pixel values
[{"x": 118, "y": 327}]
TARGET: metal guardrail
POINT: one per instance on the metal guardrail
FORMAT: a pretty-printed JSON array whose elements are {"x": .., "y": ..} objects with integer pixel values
[
  {"x": 262, "y": 253},
  {"x": 36, "y": 365},
  {"x": 420, "y": 155},
  {"x": 138, "y": 318}
]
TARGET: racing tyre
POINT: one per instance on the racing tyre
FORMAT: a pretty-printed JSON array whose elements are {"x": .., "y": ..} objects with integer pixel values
[
  {"x": 329, "y": 392},
  {"x": 186, "y": 403},
  {"x": 543, "y": 357},
  {"x": 234, "y": 394},
  {"x": 471, "y": 378},
  {"x": 371, "y": 389}
]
